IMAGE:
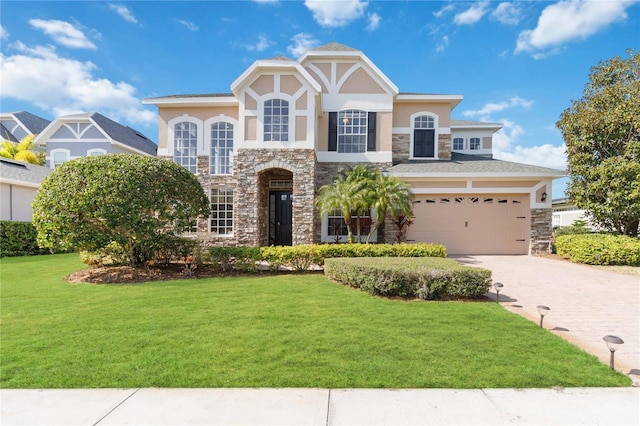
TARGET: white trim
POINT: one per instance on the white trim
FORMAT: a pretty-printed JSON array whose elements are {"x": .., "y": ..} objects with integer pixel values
[
  {"x": 206, "y": 143},
  {"x": 469, "y": 190},
  {"x": 55, "y": 151},
  {"x": 484, "y": 175},
  {"x": 362, "y": 157},
  {"x": 192, "y": 101},
  {"x": 453, "y": 100},
  {"x": 171, "y": 124},
  {"x": 326, "y": 238},
  {"x": 19, "y": 183},
  {"x": 370, "y": 102},
  {"x": 278, "y": 67},
  {"x": 130, "y": 148}
]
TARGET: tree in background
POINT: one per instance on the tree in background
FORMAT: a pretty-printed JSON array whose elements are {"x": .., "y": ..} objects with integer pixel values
[
  {"x": 602, "y": 134},
  {"x": 131, "y": 200},
  {"x": 25, "y": 150}
]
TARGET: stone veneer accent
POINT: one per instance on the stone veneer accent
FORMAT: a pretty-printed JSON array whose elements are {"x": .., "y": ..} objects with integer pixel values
[
  {"x": 444, "y": 146},
  {"x": 400, "y": 147},
  {"x": 541, "y": 229}
]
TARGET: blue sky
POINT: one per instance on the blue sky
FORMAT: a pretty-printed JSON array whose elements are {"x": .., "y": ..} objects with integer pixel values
[{"x": 517, "y": 62}]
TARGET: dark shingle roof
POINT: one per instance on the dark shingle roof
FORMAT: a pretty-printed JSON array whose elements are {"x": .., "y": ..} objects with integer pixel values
[
  {"x": 125, "y": 134},
  {"x": 32, "y": 122},
  {"x": 462, "y": 164},
  {"x": 22, "y": 172},
  {"x": 6, "y": 135}
]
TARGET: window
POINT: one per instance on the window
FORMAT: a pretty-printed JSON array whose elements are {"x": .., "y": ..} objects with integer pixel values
[
  {"x": 474, "y": 143},
  {"x": 458, "y": 144},
  {"x": 424, "y": 122},
  {"x": 337, "y": 228},
  {"x": 221, "y": 157},
  {"x": 221, "y": 220},
  {"x": 352, "y": 131},
  {"x": 276, "y": 120},
  {"x": 186, "y": 141},
  {"x": 96, "y": 151},
  {"x": 60, "y": 157}
]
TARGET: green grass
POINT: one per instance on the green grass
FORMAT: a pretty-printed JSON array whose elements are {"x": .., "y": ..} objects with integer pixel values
[{"x": 275, "y": 331}]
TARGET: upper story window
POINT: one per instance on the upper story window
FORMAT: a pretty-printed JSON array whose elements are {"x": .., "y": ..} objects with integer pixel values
[
  {"x": 185, "y": 145},
  {"x": 96, "y": 151},
  {"x": 276, "y": 120},
  {"x": 352, "y": 131},
  {"x": 60, "y": 157},
  {"x": 458, "y": 144},
  {"x": 221, "y": 156},
  {"x": 424, "y": 136},
  {"x": 474, "y": 143}
]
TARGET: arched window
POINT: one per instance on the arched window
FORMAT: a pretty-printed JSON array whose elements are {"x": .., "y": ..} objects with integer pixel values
[
  {"x": 185, "y": 145},
  {"x": 221, "y": 156},
  {"x": 276, "y": 120}
]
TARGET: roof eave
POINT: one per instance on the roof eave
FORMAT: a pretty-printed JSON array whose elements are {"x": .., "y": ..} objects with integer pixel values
[
  {"x": 272, "y": 65},
  {"x": 198, "y": 101},
  {"x": 485, "y": 175},
  {"x": 453, "y": 100}
]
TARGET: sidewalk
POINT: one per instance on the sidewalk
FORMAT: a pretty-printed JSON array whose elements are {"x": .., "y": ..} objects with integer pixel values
[
  {"x": 586, "y": 303},
  {"x": 571, "y": 406}
]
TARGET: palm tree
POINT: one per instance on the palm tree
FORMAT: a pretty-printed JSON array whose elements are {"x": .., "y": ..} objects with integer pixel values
[
  {"x": 25, "y": 150},
  {"x": 362, "y": 178},
  {"x": 337, "y": 196},
  {"x": 390, "y": 196}
]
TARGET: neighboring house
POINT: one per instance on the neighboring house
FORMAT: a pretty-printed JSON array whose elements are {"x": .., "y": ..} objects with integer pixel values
[
  {"x": 19, "y": 183},
  {"x": 81, "y": 135},
  {"x": 565, "y": 213},
  {"x": 263, "y": 151},
  {"x": 16, "y": 125}
]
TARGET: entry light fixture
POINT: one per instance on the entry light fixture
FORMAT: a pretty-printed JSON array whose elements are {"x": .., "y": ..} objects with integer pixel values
[
  {"x": 543, "y": 310},
  {"x": 543, "y": 197},
  {"x": 498, "y": 287},
  {"x": 613, "y": 343}
]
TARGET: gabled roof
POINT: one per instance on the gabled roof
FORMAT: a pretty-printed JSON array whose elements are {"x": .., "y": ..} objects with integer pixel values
[
  {"x": 112, "y": 130},
  {"x": 32, "y": 122},
  {"x": 463, "y": 165},
  {"x": 333, "y": 47},
  {"x": 273, "y": 64},
  {"x": 210, "y": 99},
  {"x": 6, "y": 135},
  {"x": 21, "y": 173}
]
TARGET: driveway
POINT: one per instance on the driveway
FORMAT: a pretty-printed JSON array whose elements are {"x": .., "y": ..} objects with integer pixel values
[{"x": 586, "y": 303}]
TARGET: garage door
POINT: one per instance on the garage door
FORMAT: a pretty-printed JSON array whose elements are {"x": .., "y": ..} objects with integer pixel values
[{"x": 473, "y": 224}]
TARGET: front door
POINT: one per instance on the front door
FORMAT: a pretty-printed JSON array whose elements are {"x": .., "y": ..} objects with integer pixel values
[
  {"x": 423, "y": 143},
  {"x": 280, "y": 218}
]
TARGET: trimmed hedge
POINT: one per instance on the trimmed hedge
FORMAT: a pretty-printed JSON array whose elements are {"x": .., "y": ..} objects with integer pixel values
[
  {"x": 600, "y": 249},
  {"x": 18, "y": 239},
  {"x": 424, "y": 278},
  {"x": 304, "y": 257}
]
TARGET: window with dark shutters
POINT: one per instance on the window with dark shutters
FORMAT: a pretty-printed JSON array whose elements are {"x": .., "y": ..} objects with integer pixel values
[
  {"x": 333, "y": 131},
  {"x": 371, "y": 132}
]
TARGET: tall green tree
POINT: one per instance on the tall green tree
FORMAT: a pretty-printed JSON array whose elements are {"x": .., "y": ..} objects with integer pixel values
[
  {"x": 602, "y": 134},
  {"x": 25, "y": 150},
  {"x": 390, "y": 196},
  {"x": 132, "y": 200}
]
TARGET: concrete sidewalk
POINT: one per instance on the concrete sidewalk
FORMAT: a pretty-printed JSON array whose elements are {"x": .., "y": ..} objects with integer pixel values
[
  {"x": 571, "y": 406},
  {"x": 586, "y": 303}
]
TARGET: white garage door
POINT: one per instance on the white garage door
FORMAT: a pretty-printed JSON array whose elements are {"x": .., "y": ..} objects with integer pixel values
[{"x": 473, "y": 224}]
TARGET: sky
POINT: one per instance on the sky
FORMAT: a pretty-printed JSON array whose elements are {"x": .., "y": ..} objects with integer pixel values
[{"x": 519, "y": 63}]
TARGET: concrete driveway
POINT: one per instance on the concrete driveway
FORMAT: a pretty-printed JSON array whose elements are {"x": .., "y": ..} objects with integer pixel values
[{"x": 586, "y": 303}]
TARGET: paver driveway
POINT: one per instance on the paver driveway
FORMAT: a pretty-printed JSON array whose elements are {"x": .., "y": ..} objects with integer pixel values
[{"x": 586, "y": 303}]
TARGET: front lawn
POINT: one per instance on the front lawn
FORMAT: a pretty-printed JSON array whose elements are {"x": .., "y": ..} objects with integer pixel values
[{"x": 275, "y": 331}]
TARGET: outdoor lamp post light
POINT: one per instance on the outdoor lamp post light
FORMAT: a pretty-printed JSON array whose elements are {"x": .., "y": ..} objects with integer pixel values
[
  {"x": 498, "y": 287},
  {"x": 613, "y": 343},
  {"x": 543, "y": 310}
]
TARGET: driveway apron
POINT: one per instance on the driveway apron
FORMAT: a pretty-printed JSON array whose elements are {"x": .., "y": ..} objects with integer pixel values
[{"x": 585, "y": 303}]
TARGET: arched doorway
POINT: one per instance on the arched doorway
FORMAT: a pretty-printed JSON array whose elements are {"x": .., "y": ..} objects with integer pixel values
[{"x": 277, "y": 194}]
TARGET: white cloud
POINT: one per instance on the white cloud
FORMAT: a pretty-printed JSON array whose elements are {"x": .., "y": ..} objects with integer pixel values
[
  {"x": 124, "y": 12},
  {"x": 63, "y": 86},
  {"x": 335, "y": 13},
  {"x": 4, "y": 34},
  {"x": 63, "y": 33},
  {"x": 492, "y": 107},
  {"x": 471, "y": 15},
  {"x": 374, "y": 22},
  {"x": 188, "y": 24},
  {"x": 301, "y": 43},
  {"x": 444, "y": 10},
  {"x": 505, "y": 147},
  {"x": 262, "y": 44},
  {"x": 444, "y": 43},
  {"x": 507, "y": 13},
  {"x": 570, "y": 20}
]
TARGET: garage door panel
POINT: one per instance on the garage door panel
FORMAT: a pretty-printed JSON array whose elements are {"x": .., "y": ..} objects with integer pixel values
[{"x": 473, "y": 224}]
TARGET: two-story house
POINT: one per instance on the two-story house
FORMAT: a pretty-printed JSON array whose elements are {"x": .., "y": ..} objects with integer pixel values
[{"x": 288, "y": 127}]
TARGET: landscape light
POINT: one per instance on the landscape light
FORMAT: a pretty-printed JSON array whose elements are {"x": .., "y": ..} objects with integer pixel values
[
  {"x": 613, "y": 343},
  {"x": 543, "y": 310},
  {"x": 498, "y": 287}
]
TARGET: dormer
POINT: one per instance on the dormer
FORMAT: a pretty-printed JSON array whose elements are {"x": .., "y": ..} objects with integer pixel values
[
  {"x": 278, "y": 104},
  {"x": 473, "y": 137}
]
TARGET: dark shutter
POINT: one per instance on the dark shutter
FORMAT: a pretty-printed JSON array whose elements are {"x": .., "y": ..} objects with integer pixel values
[
  {"x": 333, "y": 131},
  {"x": 371, "y": 132}
]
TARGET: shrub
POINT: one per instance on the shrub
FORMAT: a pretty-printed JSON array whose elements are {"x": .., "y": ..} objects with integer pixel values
[
  {"x": 235, "y": 258},
  {"x": 424, "y": 278},
  {"x": 18, "y": 239},
  {"x": 600, "y": 249}
]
